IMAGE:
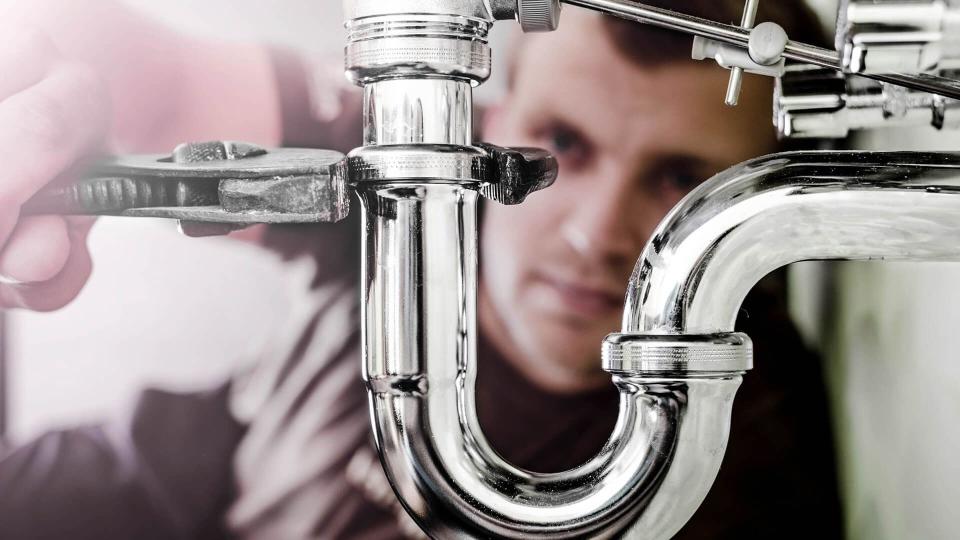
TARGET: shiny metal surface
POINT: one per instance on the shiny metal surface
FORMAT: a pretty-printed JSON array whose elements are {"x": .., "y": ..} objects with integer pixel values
[
  {"x": 727, "y": 33},
  {"x": 898, "y": 36},
  {"x": 816, "y": 102},
  {"x": 538, "y": 15},
  {"x": 423, "y": 163},
  {"x": 419, "y": 325},
  {"x": 753, "y": 218},
  {"x": 417, "y": 44},
  {"x": 419, "y": 301},
  {"x": 420, "y": 364},
  {"x": 677, "y": 365},
  {"x": 736, "y": 73},
  {"x": 418, "y": 111},
  {"x": 217, "y": 182},
  {"x": 767, "y": 43},
  {"x": 686, "y": 354},
  {"x": 360, "y": 9}
]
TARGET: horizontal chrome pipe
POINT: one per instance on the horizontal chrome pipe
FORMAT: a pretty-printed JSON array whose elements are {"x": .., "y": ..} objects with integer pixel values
[
  {"x": 772, "y": 211},
  {"x": 735, "y": 35}
]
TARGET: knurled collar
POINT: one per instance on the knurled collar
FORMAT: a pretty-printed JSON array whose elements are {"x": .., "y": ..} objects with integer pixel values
[{"x": 643, "y": 354}]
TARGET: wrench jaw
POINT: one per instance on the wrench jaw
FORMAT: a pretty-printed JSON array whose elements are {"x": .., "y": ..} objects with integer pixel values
[
  {"x": 214, "y": 188},
  {"x": 211, "y": 188}
]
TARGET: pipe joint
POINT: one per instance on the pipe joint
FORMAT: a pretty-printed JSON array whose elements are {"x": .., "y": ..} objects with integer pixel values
[{"x": 677, "y": 355}]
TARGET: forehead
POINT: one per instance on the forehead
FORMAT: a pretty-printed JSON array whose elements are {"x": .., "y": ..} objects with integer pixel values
[{"x": 578, "y": 75}]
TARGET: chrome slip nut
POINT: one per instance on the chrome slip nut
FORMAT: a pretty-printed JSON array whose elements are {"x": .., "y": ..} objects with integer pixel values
[
  {"x": 505, "y": 175},
  {"x": 645, "y": 354}
]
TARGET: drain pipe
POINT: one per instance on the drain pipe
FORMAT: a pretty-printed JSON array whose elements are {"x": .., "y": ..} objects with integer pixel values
[{"x": 419, "y": 176}]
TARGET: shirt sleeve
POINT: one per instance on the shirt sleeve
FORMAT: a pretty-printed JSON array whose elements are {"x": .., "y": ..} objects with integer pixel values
[{"x": 164, "y": 473}]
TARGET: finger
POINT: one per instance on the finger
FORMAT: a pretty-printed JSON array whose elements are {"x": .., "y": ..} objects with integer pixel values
[
  {"x": 57, "y": 292},
  {"x": 26, "y": 55},
  {"x": 36, "y": 251},
  {"x": 46, "y": 128}
]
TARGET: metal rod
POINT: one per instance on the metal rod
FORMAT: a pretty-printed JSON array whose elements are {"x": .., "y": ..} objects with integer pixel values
[
  {"x": 736, "y": 74},
  {"x": 801, "y": 52}
]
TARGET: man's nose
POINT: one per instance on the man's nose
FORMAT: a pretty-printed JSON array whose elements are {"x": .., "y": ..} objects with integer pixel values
[{"x": 607, "y": 222}]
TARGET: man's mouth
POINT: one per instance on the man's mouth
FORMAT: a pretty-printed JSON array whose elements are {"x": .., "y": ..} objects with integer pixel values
[{"x": 585, "y": 299}]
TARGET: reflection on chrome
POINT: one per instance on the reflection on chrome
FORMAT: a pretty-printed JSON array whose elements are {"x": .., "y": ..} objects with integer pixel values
[{"x": 676, "y": 389}]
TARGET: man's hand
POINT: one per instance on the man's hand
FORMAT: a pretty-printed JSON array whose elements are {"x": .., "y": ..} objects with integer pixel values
[
  {"x": 53, "y": 112},
  {"x": 56, "y": 81}
]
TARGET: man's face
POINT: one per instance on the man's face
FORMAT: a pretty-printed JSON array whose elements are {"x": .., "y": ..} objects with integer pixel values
[{"x": 631, "y": 142}]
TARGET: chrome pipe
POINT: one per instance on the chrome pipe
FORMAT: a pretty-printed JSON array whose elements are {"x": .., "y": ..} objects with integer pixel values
[
  {"x": 727, "y": 33},
  {"x": 772, "y": 211},
  {"x": 420, "y": 267},
  {"x": 405, "y": 111},
  {"x": 419, "y": 316}
]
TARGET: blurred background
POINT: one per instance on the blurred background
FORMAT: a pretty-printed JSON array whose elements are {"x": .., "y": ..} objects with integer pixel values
[{"x": 885, "y": 330}]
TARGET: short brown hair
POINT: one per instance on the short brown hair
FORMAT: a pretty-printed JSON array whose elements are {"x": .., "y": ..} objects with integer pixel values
[{"x": 636, "y": 41}]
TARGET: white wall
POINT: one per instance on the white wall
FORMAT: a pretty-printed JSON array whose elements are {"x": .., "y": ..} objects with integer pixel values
[{"x": 897, "y": 383}]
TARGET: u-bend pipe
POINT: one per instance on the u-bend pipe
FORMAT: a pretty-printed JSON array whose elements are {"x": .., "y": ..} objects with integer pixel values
[{"x": 673, "y": 421}]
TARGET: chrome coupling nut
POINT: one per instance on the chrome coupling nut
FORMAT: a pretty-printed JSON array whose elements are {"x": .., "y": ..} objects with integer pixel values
[{"x": 646, "y": 354}]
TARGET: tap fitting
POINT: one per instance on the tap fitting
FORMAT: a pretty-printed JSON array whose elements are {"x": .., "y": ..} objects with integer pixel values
[
  {"x": 898, "y": 36},
  {"x": 812, "y": 102}
]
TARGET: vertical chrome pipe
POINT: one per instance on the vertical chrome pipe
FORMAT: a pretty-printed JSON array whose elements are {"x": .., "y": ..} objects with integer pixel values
[{"x": 418, "y": 111}]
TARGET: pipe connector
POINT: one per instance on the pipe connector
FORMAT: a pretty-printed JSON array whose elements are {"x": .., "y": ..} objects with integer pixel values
[
  {"x": 680, "y": 355},
  {"x": 415, "y": 45}
]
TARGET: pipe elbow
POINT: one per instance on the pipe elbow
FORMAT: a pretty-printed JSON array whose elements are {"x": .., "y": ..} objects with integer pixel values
[
  {"x": 650, "y": 477},
  {"x": 766, "y": 213}
]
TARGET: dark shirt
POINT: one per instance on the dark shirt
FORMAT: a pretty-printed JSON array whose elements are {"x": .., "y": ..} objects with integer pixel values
[{"x": 286, "y": 451}]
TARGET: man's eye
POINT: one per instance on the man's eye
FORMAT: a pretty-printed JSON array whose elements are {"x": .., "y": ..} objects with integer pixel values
[
  {"x": 563, "y": 140},
  {"x": 681, "y": 180},
  {"x": 675, "y": 181},
  {"x": 566, "y": 144}
]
